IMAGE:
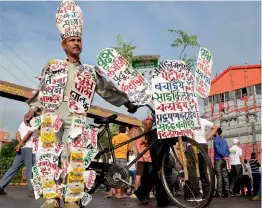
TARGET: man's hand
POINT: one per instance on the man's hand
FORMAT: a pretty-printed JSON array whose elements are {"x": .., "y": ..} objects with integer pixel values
[
  {"x": 131, "y": 107},
  {"x": 18, "y": 147},
  {"x": 27, "y": 118}
]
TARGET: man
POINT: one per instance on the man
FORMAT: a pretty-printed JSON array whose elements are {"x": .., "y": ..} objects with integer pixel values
[
  {"x": 236, "y": 162},
  {"x": 221, "y": 152},
  {"x": 121, "y": 155},
  {"x": 193, "y": 184},
  {"x": 255, "y": 165},
  {"x": 67, "y": 88},
  {"x": 148, "y": 181},
  {"x": 23, "y": 156},
  {"x": 246, "y": 179}
]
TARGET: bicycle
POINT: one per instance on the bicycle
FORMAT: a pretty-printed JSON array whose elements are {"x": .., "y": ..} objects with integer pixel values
[{"x": 185, "y": 161}]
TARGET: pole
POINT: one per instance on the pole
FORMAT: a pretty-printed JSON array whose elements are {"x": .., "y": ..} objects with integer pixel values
[{"x": 254, "y": 137}]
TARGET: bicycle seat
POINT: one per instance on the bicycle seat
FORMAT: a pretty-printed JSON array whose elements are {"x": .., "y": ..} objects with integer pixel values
[{"x": 107, "y": 120}]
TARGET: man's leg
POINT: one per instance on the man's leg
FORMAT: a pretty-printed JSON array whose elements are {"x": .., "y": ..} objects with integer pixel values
[
  {"x": 225, "y": 177},
  {"x": 233, "y": 179},
  {"x": 218, "y": 170},
  {"x": 203, "y": 171},
  {"x": 28, "y": 158},
  {"x": 9, "y": 175},
  {"x": 239, "y": 171}
]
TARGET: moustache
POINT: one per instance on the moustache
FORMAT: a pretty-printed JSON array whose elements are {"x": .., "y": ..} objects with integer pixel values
[{"x": 76, "y": 47}]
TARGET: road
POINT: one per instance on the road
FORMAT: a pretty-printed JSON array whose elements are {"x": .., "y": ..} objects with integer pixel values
[{"x": 17, "y": 198}]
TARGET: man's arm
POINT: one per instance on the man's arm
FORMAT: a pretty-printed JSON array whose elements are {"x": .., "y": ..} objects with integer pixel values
[
  {"x": 111, "y": 94},
  {"x": 18, "y": 137},
  {"x": 212, "y": 132},
  {"x": 241, "y": 159}
]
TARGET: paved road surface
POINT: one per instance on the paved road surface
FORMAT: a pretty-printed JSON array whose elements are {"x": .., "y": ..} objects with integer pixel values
[{"x": 17, "y": 198}]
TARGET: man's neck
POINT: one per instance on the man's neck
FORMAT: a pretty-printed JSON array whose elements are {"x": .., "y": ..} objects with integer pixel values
[{"x": 73, "y": 59}]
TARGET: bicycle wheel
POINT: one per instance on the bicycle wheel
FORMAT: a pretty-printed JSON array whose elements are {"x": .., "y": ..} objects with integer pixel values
[
  {"x": 198, "y": 190},
  {"x": 103, "y": 158}
]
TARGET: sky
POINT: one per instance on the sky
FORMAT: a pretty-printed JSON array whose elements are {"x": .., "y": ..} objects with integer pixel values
[{"x": 29, "y": 38}]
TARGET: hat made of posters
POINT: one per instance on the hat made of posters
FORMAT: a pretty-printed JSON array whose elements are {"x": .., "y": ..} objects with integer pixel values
[{"x": 69, "y": 19}]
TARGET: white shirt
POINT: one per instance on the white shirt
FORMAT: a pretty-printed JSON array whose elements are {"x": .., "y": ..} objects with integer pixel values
[
  {"x": 235, "y": 152},
  {"x": 200, "y": 135},
  {"x": 131, "y": 158},
  {"x": 248, "y": 172},
  {"x": 23, "y": 130}
]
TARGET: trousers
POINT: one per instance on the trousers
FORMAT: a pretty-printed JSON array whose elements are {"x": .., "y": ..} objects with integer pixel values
[
  {"x": 24, "y": 156},
  {"x": 151, "y": 178},
  {"x": 222, "y": 176},
  {"x": 236, "y": 171}
]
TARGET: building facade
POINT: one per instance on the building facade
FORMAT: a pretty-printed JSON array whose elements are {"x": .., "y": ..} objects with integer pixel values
[{"x": 234, "y": 104}]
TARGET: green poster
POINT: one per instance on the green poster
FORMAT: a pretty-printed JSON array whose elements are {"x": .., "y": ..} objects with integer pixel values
[{"x": 145, "y": 61}]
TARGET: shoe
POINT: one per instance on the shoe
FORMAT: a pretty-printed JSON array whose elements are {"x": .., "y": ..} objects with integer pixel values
[
  {"x": 2, "y": 192},
  {"x": 217, "y": 196},
  {"x": 142, "y": 199},
  {"x": 50, "y": 203},
  {"x": 256, "y": 198},
  {"x": 31, "y": 194},
  {"x": 133, "y": 196},
  {"x": 227, "y": 195},
  {"x": 194, "y": 199}
]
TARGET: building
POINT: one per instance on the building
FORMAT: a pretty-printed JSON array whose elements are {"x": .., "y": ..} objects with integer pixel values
[{"x": 234, "y": 104}]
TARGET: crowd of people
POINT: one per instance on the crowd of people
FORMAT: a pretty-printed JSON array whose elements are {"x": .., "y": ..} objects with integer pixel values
[{"x": 234, "y": 174}]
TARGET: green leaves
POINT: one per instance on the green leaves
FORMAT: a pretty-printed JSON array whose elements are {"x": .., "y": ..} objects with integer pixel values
[
  {"x": 125, "y": 49},
  {"x": 184, "y": 40}
]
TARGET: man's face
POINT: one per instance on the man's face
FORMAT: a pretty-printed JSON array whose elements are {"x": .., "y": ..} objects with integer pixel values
[{"x": 72, "y": 46}]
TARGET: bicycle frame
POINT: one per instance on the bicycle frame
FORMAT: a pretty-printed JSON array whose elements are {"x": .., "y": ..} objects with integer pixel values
[{"x": 112, "y": 148}]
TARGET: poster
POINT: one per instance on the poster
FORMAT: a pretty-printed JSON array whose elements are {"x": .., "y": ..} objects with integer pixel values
[
  {"x": 203, "y": 72},
  {"x": 128, "y": 80},
  {"x": 175, "y": 100}
]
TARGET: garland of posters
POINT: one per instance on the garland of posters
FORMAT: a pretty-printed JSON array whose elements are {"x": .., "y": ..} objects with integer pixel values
[
  {"x": 130, "y": 81},
  {"x": 175, "y": 100},
  {"x": 47, "y": 150},
  {"x": 203, "y": 72}
]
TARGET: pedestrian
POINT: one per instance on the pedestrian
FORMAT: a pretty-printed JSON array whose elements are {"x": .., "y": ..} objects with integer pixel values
[
  {"x": 246, "y": 180},
  {"x": 236, "y": 162},
  {"x": 131, "y": 171},
  {"x": 192, "y": 190},
  {"x": 65, "y": 93},
  {"x": 144, "y": 164},
  {"x": 121, "y": 155},
  {"x": 256, "y": 175},
  {"x": 24, "y": 155},
  {"x": 221, "y": 153}
]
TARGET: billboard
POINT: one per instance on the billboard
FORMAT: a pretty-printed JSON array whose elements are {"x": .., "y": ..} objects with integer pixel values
[{"x": 4, "y": 136}]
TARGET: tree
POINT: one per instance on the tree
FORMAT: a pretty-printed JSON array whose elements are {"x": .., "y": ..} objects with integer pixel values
[
  {"x": 184, "y": 41},
  {"x": 114, "y": 128},
  {"x": 125, "y": 49},
  {"x": 6, "y": 159}
]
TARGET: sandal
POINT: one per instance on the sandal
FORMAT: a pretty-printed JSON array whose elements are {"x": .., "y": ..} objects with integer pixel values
[{"x": 122, "y": 197}]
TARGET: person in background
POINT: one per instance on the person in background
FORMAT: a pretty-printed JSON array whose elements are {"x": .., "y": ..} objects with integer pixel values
[
  {"x": 192, "y": 190},
  {"x": 24, "y": 155},
  {"x": 221, "y": 152},
  {"x": 121, "y": 155},
  {"x": 144, "y": 164},
  {"x": 236, "y": 160},
  {"x": 132, "y": 171},
  {"x": 255, "y": 165},
  {"x": 246, "y": 179}
]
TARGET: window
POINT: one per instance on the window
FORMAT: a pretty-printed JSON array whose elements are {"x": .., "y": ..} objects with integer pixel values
[
  {"x": 237, "y": 94},
  {"x": 226, "y": 96},
  {"x": 210, "y": 100},
  {"x": 206, "y": 102},
  {"x": 258, "y": 89},
  {"x": 243, "y": 92},
  {"x": 221, "y": 96},
  {"x": 217, "y": 98},
  {"x": 231, "y": 95},
  {"x": 251, "y": 90}
]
